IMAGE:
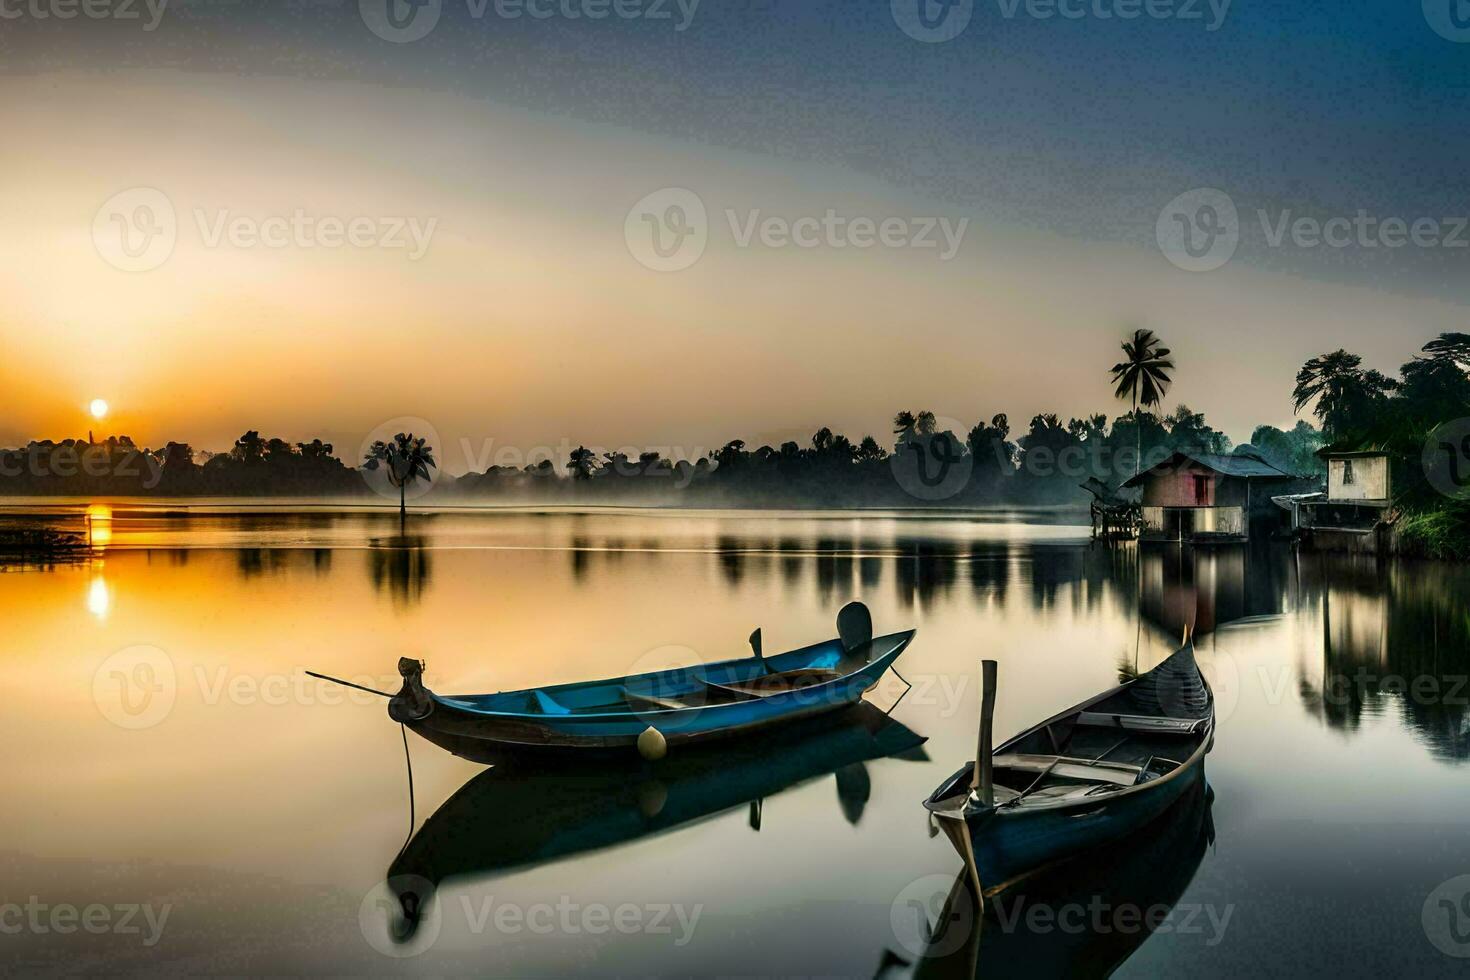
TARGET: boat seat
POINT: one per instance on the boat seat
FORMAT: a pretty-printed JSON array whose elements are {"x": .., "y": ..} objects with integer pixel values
[
  {"x": 1152, "y": 724},
  {"x": 764, "y": 685},
  {"x": 1084, "y": 770},
  {"x": 652, "y": 702}
]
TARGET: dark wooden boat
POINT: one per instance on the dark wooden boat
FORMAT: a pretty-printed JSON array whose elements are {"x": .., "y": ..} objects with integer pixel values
[
  {"x": 656, "y": 712},
  {"x": 517, "y": 816},
  {"x": 1082, "y": 778},
  {"x": 1149, "y": 869}
]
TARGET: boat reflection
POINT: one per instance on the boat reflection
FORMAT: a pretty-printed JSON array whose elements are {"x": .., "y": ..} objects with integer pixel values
[
  {"x": 1100, "y": 907},
  {"x": 512, "y": 817}
]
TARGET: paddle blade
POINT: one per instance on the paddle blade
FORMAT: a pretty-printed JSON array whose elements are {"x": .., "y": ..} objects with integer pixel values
[{"x": 854, "y": 625}]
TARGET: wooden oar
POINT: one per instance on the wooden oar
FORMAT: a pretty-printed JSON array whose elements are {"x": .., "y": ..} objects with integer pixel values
[{"x": 338, "y": 680}]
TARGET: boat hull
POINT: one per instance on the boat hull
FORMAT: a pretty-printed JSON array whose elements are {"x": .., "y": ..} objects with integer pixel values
[
  {"x": 497, "y": 736},
  {"x": 1008, "y": 844}
]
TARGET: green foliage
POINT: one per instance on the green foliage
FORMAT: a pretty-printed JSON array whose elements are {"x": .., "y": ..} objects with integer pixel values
[
  {"x": 1440, "y": 532},
  {"x": 1293, "y": 450},
  {"x": 1347, "y": 397}
]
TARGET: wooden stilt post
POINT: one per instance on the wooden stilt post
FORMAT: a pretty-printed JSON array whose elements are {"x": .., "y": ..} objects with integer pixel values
[{"x": 983, "y": 783}]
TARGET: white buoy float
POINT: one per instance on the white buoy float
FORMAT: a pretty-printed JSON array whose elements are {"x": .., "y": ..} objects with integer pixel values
[{"x": 652, "y": 745}]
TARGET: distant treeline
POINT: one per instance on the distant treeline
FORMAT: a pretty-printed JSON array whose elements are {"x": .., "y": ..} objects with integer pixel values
[{"x": 927, "y": 464}]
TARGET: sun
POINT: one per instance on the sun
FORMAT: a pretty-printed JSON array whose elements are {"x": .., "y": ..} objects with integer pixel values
[{"x": 98, "y": 408}]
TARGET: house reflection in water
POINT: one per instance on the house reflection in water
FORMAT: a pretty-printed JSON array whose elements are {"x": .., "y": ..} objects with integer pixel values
[
  {"x": 1395, "y": 645},
  {"x": 1204, "y": 588}
]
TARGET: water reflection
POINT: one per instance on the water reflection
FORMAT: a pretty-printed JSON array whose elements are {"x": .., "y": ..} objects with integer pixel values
[
  {"x": 400, "y": 566},
  {"x": 518, "y": 816},
  {"x": 1204, "y": 588},
  {"x": 99, "y": 599},
  {"x": 509, "y": 600},
  {"x": 1395, "y": 643},
  {"x": 1096, "y": 910}
]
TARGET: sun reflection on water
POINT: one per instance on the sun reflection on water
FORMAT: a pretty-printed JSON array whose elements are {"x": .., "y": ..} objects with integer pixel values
[
  {"x": 99, "y": 525},
  {"x": 99, "y": 598}
]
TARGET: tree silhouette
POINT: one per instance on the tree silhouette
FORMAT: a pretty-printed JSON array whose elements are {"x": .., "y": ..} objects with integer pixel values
[
  {"x": 1345, "y": 394},
  {"x": 405, "y": 460},
  {"x": 1144, "y": 376}
]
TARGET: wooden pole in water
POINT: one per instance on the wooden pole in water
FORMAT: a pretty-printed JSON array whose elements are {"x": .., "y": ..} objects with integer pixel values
[{"x": 983, "y": 783}]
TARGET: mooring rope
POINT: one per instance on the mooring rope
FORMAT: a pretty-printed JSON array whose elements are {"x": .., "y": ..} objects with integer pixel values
[{"x": 408, "y": 759}]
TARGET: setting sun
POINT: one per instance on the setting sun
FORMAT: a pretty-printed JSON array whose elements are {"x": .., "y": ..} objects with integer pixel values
[{"x": 98, "y": 408}]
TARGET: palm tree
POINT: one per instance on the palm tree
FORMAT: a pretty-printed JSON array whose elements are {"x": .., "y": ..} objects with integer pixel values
[
  {"x": 1451, "y": 347},
  {"x": 1346, "y": 395},
  {"x": 903, "y": 426},
  {"x": 1144, "y": 377},
  {"x": 405, "y": 458},
  {"x": 909, "y": 427}
]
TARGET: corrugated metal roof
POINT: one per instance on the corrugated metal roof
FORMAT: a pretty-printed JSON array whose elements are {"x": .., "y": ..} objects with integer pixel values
[
  {"x": 1238, "y": 465},
  {"x": 1246, "y": 465}
]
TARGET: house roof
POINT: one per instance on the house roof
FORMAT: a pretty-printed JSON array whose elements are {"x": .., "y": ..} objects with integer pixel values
[
  {"x": 1350, "y": 450},
  {"x": 1245, "y": 465}
]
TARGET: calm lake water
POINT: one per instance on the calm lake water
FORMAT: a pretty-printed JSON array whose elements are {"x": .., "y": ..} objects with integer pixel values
[{"x": 201, "y": 807}]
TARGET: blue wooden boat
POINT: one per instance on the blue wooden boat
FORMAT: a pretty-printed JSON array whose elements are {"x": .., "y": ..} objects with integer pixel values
[
  {"x": 1082, "y": 778},
  {"x": 657, "y": 712}
]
